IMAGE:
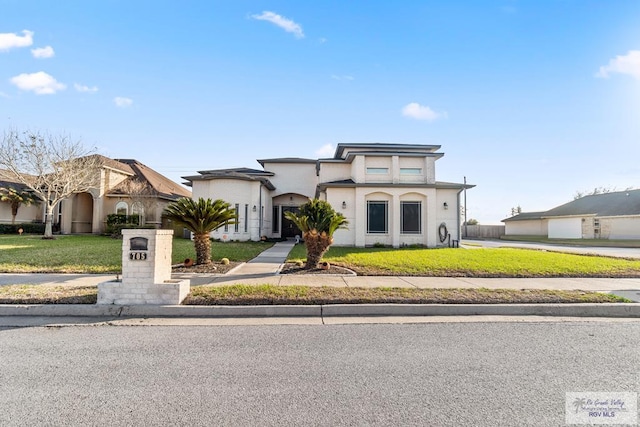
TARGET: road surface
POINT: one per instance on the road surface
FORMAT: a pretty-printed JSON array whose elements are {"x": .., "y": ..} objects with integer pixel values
[{"x": 441, "y": 374}]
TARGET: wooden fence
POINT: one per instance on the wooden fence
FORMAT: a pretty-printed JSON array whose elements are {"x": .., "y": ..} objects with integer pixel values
[{"x": 483, "y": 231}]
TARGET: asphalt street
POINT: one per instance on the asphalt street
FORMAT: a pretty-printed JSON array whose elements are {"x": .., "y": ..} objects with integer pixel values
[
  {"x": 584, "y": 250},
  {"x": 440, "y": 374}
]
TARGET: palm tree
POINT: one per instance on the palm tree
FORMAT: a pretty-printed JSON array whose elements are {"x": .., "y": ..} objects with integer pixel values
[
  {"x": 201, "y": 217},
  {"x": 317, "y": 221},
  {"x": 16, "y": 197}
]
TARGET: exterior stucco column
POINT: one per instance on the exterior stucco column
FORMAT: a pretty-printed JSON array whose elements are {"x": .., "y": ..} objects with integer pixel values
[
  {"x": 394, "y": 221},
  {"x": 431, "y": 227},
  {"x": 97, "y": 217},
  {"x": 395, "y": 169},
  {"x": 360, "y": 218}
]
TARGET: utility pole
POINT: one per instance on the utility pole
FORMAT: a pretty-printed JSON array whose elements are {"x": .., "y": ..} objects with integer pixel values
[{"x": 465, "y": 207}]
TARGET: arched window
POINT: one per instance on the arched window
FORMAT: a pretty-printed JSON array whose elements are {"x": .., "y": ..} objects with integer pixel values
[{"x": 122, "y": 208}]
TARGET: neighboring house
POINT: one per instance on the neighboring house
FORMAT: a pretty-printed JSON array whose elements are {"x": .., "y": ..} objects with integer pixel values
[
  {"x": 387, "y": 192},
  {"x": 29, "y": 213},
  {"x": 126, "y": 187},
  {"x": 613, "y": 215}
]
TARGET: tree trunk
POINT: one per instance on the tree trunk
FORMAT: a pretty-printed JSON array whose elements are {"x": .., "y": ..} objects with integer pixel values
[
  {"x": 48, "y": 228},
  {"x": 14, "y": 211},
  {"x": 317, "y": 246},
  {"x": 203, "y": 248}
]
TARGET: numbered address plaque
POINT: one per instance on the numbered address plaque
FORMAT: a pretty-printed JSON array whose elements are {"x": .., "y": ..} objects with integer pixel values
[{"x": 137, "y": 256}]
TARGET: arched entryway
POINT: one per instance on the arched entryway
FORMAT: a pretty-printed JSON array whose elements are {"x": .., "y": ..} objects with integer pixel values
[
  {"x": 283, "y": 203},
  {"x": 82, "y": 213}
]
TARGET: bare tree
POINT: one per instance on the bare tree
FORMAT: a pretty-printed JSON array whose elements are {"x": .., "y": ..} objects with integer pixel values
[
  {"x": 54, "y": 167},
  {"x": 142, "y": 194},
  {"x": 594, "y": 192}
]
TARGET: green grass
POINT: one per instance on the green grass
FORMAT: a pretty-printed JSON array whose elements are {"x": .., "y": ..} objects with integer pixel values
[
  {"x": 500, "y": 262},
  {"x": 287, "y": 295},
  {"x": 303, "y": 295},
  {"x": 98, "y": 254}
]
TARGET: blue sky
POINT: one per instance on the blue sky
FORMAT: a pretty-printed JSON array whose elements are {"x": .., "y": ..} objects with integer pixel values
[{"x": 531, "y": 100}]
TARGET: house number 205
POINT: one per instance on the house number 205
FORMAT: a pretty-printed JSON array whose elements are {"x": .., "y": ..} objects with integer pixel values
[{"x": 137, "y": 256}]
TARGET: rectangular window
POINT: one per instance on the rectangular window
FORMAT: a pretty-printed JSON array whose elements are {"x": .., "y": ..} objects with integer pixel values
[
  {"x": 226, "y": 227},
  {"x": 410, "y": 171},
  {"x": 596, "y": 223},
  {"x": 236, "y": 226},
  {"x": 410, "y": 217},
  {"x": 377, "y": 221},
  {"x": 246, "y": 218},
  {"x": 377, "y": 171},
  {"x": 276, "y": 219}
]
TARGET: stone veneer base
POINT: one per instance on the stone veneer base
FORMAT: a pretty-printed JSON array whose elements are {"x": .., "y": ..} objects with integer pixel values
[{"x": 171, "y": 292}]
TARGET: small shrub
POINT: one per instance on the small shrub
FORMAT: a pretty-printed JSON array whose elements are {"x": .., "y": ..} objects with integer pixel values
[
  {"x": 28, "y": 228},
  {"x": 224, "y": 261},
  {"x": 379, "y": 245}
]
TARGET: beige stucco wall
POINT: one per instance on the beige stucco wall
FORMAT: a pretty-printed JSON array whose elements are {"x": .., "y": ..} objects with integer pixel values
[
  {"x": 243, "y": 193},
  {"x": 533, "y": 227},
  {"x": 25, "y": 213},
  {"x": 432, "y": 211},
  {"x": 623, "y": 228},
  {"x": 299, "y": 178},
  {"x": 378, "y": 162},
  {"x": 334, "y": 171}
]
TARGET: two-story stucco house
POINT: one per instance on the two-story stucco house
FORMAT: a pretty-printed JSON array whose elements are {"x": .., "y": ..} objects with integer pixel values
[{"x": 387, "y": 192}]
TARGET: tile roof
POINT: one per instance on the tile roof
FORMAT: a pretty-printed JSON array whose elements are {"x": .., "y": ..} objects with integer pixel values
[{"x": 162, "y": 186}]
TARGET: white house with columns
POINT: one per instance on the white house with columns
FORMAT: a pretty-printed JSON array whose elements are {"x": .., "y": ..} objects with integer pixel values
[{"x": 388, "y": 193}]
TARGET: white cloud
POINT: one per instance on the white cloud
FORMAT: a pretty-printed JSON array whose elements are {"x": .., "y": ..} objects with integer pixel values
[
  {"x": 41, "y": 83},
  {"x": 122, "y": 102},
  {"x": 326, "y": 150},
  {"x": 623, "y": 64},
  {"x": 282, "y": 22},
  {"x": 11, "y": 40},
  {"x": 86, "y": 89},
  {"x": 43, "y": 52},
  {"x": 421, "y": 112},
  {"x": 345, "y": 77}
]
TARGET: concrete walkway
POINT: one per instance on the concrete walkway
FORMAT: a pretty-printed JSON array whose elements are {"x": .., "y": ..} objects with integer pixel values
[{"x": 268, "y": 263}]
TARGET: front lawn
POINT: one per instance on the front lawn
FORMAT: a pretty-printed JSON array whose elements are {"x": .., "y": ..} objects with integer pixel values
[
  {"x": 499, "y": 262},
  {"x": 303, "y": 295},
  {"x": 98, "y": 254}
]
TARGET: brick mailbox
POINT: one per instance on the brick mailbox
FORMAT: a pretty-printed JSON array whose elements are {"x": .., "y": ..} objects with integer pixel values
[{"x": 146, "y": 271}]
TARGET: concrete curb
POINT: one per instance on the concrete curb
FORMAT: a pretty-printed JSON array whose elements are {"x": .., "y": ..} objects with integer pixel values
[{"x": 185, "y": 311}]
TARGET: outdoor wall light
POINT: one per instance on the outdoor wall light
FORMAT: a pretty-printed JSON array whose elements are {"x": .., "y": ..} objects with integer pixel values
[
  {"x": 344, "y": 205},
  {"x": 445, "y": 205},
  {"x": 254, "y": 208}
]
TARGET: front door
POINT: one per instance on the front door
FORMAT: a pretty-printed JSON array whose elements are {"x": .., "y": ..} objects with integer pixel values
[{"x": 289, "y": 229}]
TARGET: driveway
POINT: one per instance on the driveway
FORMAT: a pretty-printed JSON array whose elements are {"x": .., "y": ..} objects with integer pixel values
[{"x": 585, "y": 250}]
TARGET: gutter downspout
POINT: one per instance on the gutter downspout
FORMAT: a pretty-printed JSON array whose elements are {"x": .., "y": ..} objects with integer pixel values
[{"x": 260, "y": 212}]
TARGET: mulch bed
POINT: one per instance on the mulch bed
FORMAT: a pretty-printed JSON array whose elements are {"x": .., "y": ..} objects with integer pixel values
[
  {"x": 213, "y": 267},
  {"x": 292, "y": 268}
]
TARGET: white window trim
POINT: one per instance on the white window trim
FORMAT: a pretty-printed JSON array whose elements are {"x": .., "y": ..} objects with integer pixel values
[
  {"x": 417, "y": 202},
  {"x": 386, "y": 217},
  {"x": 377, "y": 171}
]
